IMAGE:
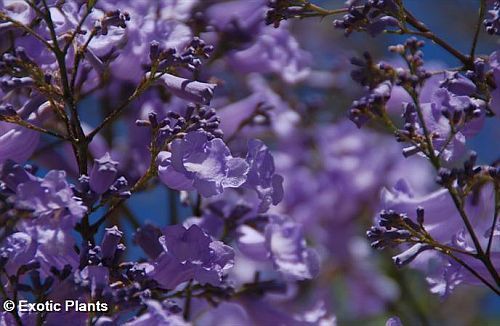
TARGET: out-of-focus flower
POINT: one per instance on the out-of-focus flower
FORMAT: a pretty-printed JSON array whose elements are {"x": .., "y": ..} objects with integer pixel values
[
  {"x": 158, "y": 315},
  {"x": 190, "y": 254},
  {"x": 275, "y": 51}
]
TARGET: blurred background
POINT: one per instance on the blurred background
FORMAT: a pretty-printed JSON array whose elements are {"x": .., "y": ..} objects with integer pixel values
[{"x": 364, "y": 287}]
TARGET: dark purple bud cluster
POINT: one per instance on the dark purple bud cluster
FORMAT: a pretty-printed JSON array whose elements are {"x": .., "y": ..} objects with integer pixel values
[
  {"x": 115, "y": 18},
  {"x": 460, "y": 177},
  {"x": 412, "y": 54},
  {"x": 494, "y": 171},
  {"x": 16, "y": 83},
  {"x": 492, "y": 22},
  {"x": 394, "y": 229},
  {"x": 194, "y": 118},
  {"x": 377, "y": 79},
  {"x": 109, "y": 251},
  {"x": 14, "y": 63},
  {"x": 380, "y": 78},
  {"x": 6, "y": 112},
  {"x": 484, "y": 82},
  {"x": 373, "y": 16},
  {"x": 102, "y": 181},
  {"x": 190, "y": 58}
]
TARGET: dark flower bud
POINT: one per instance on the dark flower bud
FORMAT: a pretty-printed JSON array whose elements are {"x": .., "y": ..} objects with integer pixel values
[
  {"x": 103, "y": 173},
  {"x": 409, "y": 255},
  {"x": 420, "y": 215},
  {"x": 112, "y": 237},
  {"x": 154, "y": 50}
]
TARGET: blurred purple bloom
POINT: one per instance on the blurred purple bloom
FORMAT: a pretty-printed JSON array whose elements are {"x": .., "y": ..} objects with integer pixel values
[
  {"x": 261, "y": 175},
  {"x": 156, "y": 314},
  {"x": 494, "y": 61},
  {"x": 288, "y": 250},
  {"x": 273, "y": 111},
  {"x": 393, "y": 321},
  {"x": 275, "y": 51},
  {"x": 17, "y": 143},
  {"x": 190, "y": 254}
]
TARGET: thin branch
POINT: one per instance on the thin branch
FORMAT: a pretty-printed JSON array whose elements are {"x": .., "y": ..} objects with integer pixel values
[
  {"x": 20, "y": 122},
  {"x": 482, "y": 9},
  {"x": 143, "y": 85},
  {"x": 427, "y": 33},
  {"x": 495, "y": 219},
  {"x": 27, "y": 29}
]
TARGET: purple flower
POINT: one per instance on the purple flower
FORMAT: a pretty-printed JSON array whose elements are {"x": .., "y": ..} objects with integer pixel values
[
  {"x": 444, "y": 224},
  {"x": 492, "y": 21},
  {"x": 50, "y": 199},
  {"x": 94, "y": 277},
  {"x": 156, "y": 314},
  {"x": 465, "y": 113},
  {"x": 275, "y": 51},
  {"x": 393, "y": 321},
  {"x": 147, "y": 237},
  {"x": 19, "y": 249},
  {"x": 103, "y": 173},
  {"x": 494, "y": 62},
  {"x": 17, "y": 143},
  {"x": 189, "y": 90},
  {"x": 261, "y": 175},
  {"x": 190, "y": 254},
  {"x": 196, "y": 163},
  {"x": 111, "y": 239},
  {"x": 288, "y": 250},
  {"x": 244, "y": 18},
  {"x": 458, "y": 84},
  {"x": 18, "y": 10},
  {"x": 273, "y": 111}
]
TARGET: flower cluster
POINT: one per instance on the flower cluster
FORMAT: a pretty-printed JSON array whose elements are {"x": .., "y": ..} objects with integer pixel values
[{"x": 189, "y": 162}]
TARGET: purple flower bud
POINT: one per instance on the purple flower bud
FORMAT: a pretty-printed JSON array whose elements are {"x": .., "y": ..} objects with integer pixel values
[
  {"x": 147, "y": 238},
  {"x": 409, "y": 255},
  {"x": 109, "y": 242},
  {"x": 13, "y": 83},
  {"x": 189, "y": 90},
  {"x": 458, "y": 84},
  {"x": 394, "y": 321},
  {"x": 103, "y": 174}
]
